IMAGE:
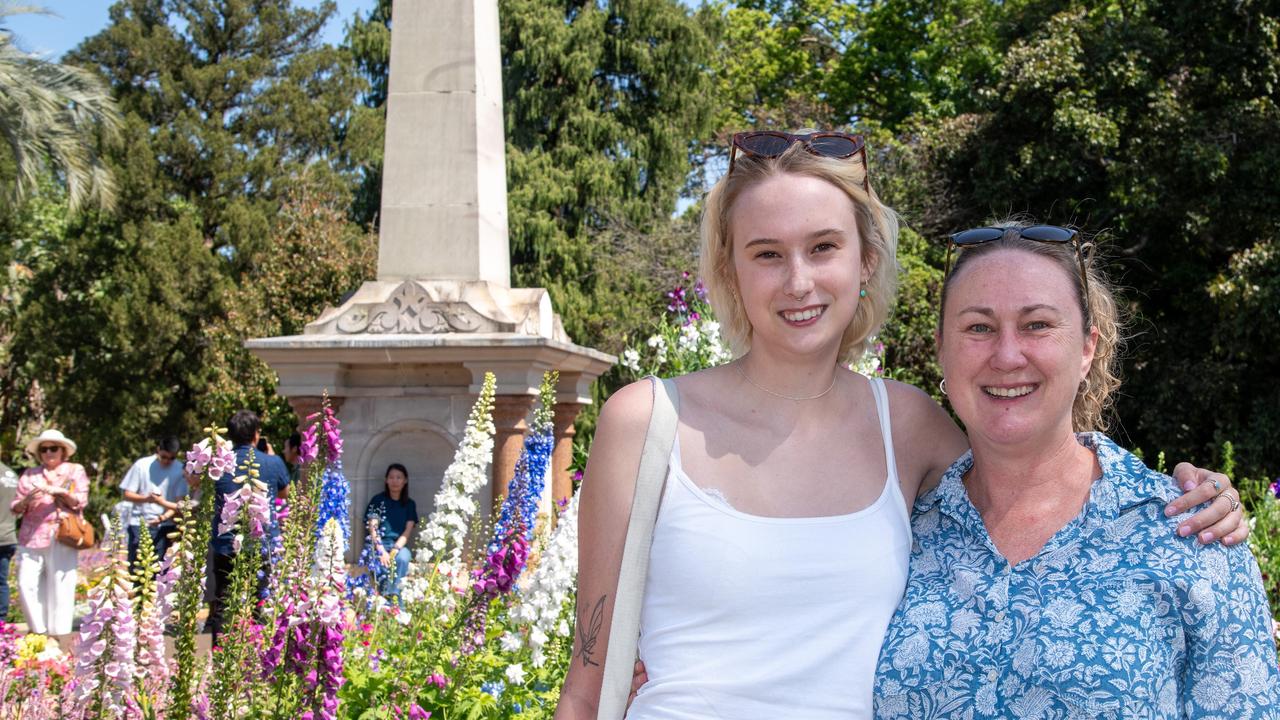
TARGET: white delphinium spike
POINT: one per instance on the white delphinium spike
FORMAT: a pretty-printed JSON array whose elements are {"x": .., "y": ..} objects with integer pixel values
[
  {"x": 443, "y": 537},
  {"x": 330, "y": 567},
  {"x": 543, "y": 596}
]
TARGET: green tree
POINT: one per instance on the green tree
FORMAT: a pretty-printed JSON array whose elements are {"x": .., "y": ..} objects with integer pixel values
[
  {"x": 882, "y": 63},
  {"x": 369, "y": 41},
  {"x": 603, "y": 104},
  {"x": 232, "y": 108},
  {"x": 239, "y": 98},
  {"x": 1155, "y": 122},
  {"x": 109, "y": 328},
  {"x": 51, "y": 118},
  {"x": 316, "y": 257}
]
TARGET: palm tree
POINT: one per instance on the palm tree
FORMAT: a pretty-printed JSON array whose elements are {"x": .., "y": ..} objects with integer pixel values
[{"x": 53, "y": 116}]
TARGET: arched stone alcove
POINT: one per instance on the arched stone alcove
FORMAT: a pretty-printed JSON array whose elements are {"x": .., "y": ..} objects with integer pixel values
[{"x": 423, "y": 447}]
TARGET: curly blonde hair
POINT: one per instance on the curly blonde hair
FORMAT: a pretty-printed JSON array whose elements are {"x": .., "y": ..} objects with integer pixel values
[
  {"x": 877, "y": 233},
  {"x": 1094, "y": 400}
]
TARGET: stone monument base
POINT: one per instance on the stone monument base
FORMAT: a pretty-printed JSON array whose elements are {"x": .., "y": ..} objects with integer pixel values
[{"x": 403, "y": 363}]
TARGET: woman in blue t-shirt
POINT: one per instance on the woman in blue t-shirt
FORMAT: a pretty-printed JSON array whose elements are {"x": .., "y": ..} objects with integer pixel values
[{"x": 391, "y": 516}]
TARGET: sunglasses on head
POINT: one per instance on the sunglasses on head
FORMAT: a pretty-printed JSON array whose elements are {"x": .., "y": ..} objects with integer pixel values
[
  {"x": 770, "y": 144},
  {"x": 1038, "y": 233},
  {"x": 49, "y": 448}
]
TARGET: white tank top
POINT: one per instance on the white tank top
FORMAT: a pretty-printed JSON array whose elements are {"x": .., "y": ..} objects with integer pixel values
[{"x": 763, "y": 617}]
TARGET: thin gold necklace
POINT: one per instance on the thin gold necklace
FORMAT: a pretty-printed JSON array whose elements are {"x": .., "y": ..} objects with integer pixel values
[{"x": 744, "y": 375}]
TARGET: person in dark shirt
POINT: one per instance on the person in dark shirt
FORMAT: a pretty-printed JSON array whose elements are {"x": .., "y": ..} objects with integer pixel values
[
  {"x": 391, "y": 516},
  {"x": 244, "y": 432},
  {"x": 292, "y": 455}
]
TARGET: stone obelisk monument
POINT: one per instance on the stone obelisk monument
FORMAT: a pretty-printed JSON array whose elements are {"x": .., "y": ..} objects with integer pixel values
[{"x": 404, "y": 357}]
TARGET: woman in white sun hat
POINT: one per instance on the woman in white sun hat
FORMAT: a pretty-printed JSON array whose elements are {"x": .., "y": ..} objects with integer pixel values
[{"x": 46, "y": 567}]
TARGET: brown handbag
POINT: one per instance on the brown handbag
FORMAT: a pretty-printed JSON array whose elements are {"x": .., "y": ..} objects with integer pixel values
[{"x": 73, "y": 530}]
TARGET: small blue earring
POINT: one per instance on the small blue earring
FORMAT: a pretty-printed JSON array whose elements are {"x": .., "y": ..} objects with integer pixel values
[{"x": 862, "y": 293}]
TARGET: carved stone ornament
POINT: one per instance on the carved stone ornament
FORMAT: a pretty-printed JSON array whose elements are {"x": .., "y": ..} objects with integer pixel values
[{"x": 410, "y": 310}]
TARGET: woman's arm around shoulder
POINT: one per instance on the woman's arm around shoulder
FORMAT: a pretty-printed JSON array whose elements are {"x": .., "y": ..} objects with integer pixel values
[
  {"x": 604, "y": 509},
  {"x": 925, "y": 438}
]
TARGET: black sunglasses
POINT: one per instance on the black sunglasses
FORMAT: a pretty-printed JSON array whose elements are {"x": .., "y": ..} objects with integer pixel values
[
  {"x": 50, "y": 448},
  {"x": 1038, "y": 233},
  {"x": 770, "y": 144}
]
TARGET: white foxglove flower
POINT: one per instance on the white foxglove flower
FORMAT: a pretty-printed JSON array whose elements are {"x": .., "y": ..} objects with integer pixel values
[{"x": 515, "y": 674}]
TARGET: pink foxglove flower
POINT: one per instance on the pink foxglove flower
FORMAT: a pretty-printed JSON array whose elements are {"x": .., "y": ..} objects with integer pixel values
[
  {"x": 251, "y": 500},
  {"x": 231, "y": 512},
  {"x": 198, "y": 457},
  {"x": 414, "y": 712},
  {"x": 105, "y": 666},
  {"x": 308, "y": 450},
  {"x": 223, "y": 461}
]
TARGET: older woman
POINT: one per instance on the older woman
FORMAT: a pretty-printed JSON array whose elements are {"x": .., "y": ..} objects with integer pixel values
[
  {"x": 1046, "y": 580},
  {"x": 780, "y": 551},
  {"x": 46, "y": 567}
]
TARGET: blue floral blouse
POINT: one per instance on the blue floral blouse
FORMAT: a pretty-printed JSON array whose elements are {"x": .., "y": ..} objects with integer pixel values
[{"x": 1116, "y": 617}]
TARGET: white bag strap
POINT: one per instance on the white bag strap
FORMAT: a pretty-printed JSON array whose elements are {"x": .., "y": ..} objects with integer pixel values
[{"x": 624, "y": 628}]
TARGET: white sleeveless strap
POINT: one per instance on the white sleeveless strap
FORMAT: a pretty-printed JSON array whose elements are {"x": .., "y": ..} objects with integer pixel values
[
  {"x": 886, "y": 427},
  {"x": 624, "y": 627}
]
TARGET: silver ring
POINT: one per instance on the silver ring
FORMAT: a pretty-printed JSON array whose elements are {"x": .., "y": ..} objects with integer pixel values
[
  {"x": 1235, "y": 504},
  {"x": 1217, "y": 485}
]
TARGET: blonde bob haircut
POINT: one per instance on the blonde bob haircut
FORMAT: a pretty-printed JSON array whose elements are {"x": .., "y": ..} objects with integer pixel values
[{"x": 877, "y": 235}]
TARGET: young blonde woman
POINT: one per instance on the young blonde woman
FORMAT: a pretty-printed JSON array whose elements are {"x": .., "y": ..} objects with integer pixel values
[{"x": 780, "y": 550}]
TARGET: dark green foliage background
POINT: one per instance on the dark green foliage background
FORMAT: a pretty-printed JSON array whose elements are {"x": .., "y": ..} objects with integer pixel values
[{"x": 250, "y": 166}]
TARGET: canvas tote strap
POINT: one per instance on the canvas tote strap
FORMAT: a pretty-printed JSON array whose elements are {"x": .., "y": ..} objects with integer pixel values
[{"x": 624, "y": 629}]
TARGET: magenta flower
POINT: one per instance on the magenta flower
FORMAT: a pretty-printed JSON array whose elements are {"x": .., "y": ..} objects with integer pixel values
[
  {"x": 413, "y": 713},
  {"x": 308, "y": 450},
  {"x": 275, "y": 652},
  {"x": 502, "y": 567}
]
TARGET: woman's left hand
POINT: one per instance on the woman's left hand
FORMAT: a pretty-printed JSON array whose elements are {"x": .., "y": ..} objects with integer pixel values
[{"x": 1219, "y": 520}]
